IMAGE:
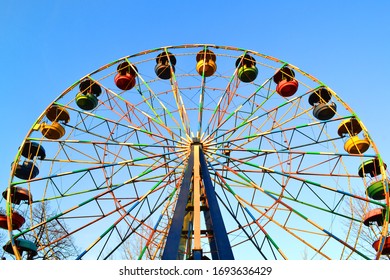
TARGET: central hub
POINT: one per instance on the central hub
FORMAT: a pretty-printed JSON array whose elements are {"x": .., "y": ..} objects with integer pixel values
[{"x": 196, "y": 141}]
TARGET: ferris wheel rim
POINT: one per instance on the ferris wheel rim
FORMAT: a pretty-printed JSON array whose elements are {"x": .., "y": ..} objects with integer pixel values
[{"x": 171, "y": 48}]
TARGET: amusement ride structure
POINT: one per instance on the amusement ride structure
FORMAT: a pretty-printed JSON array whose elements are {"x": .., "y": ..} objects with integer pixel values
[{"x": 197, "y": 152}]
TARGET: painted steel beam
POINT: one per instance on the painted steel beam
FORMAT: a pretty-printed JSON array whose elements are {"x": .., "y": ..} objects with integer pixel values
[
  {"x": 221, "y": 239},
  {"x": 171, "y": 249}
]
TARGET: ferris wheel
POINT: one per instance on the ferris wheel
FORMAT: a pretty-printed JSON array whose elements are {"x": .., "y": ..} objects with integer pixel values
[{"x": 197, "y": 152}]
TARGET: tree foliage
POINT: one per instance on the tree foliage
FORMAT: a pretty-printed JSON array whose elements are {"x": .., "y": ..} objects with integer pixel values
[
  {"x": 364, "y": 235},
  {"x": 51, "y": 236}
]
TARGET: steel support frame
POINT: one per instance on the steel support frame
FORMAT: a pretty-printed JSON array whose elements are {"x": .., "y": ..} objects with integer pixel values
[{"x": 195, "y": 172}]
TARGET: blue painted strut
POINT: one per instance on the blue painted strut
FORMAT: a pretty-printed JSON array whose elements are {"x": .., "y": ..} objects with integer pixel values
[
  {"x": 172, "y": 244},
  {"x": 214, "y": 218}
]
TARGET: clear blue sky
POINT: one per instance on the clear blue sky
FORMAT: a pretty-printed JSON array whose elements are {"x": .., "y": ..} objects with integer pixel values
[{"x": 47, "y": 45}]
